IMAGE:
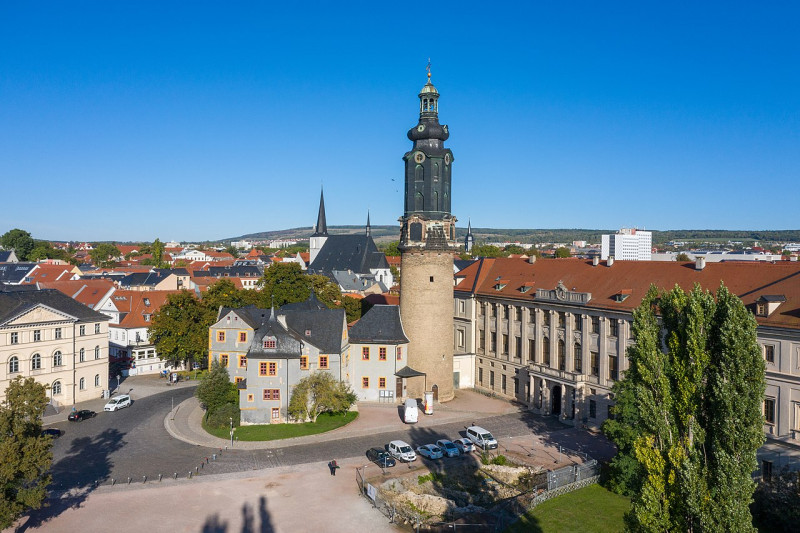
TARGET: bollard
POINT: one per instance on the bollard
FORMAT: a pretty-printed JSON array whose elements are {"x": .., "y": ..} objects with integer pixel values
[
  {"x": 159, "y": 477},
  {"x": 129, "y": 480},
  {"x": 144, "y": 479},
  {"x": 175, "y": 475}
]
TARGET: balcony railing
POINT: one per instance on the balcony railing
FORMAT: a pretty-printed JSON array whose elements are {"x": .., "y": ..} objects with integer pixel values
[{"x": 563, "y": 375}]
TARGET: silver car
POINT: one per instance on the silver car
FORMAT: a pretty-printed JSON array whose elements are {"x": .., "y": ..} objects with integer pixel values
[
  {"x": 464, "y": 445},
  {"x": 449, "y": 449}
]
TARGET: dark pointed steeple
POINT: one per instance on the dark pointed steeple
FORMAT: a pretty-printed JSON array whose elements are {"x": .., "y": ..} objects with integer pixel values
[
  {"x": 322, "y": 226},
  {"x": 369, "y": 228},
  {"x": 469, "y": 239}
]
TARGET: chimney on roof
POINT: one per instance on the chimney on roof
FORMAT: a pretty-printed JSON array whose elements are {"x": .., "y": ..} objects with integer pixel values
[
  {"x": 532, "y": 258},
  {"x": 700, "y": 263},
  {"x": 595, "y": 260},
  {"x": 610, "y": 260}
]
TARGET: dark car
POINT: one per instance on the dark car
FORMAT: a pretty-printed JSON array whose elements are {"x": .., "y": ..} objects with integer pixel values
[
  {"x": 53, "y": 432},
  {"x": 83, "y": 414},
  {"x": 380, "y": 457}
]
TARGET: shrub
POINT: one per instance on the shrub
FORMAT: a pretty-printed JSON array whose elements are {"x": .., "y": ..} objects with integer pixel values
[{"x": 221, "y": 417}]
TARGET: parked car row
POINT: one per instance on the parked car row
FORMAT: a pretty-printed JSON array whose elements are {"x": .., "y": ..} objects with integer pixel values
[{"x": 399, "y": 450}]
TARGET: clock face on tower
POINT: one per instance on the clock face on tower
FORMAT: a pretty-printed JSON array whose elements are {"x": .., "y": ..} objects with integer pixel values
[
  {"x": 446, "y": 159},
  {"x": 419, "y": 157},
  {"x": 421, "y": 128}
]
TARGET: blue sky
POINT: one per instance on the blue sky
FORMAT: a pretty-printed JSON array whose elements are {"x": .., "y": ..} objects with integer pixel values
[{"x": 192, "y": 120}]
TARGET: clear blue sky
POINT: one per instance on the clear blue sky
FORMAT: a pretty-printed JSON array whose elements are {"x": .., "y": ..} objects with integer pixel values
[{"x": 205, "y": 120}]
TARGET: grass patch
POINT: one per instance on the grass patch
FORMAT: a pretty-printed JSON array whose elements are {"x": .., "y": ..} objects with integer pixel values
[
  {"x": 591, "y": 509},
  {"x": 325, "y": 422},
  {"x": 435, "y": 477}
]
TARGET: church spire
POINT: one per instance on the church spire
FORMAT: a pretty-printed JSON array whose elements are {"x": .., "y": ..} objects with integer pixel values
[
  {"x": 469, "y": 240},
  {"x": 322, "y": 226},
  {"x": 369, "y": 228}
]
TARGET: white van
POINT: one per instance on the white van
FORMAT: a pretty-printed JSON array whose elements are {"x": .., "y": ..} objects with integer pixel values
[
  {"x": 402, "y": 451},
  {"x": 118, "y": 402},
  {"x": 481, "y": 438},
  {"x": 410, "y": 411}
]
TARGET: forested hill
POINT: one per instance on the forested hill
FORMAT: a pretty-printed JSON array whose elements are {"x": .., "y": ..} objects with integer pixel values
[{"x": 592, "y": 236}]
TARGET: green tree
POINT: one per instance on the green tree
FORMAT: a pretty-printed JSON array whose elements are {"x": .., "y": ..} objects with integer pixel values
[
  {"x": 216, "y": 389},
  {"x": 486, "y": 250},
  {"x": 391, "y": 248},
  {"x": 26, "y": 455},
  {"x": 231, "y": 249},
  {"x": 18, "y": 240},
  {"x": 179, "y": 329},
  {"x": 224, "y": 293},
  {"x": 688, "y": 417},
  {"x": 776, "y": 505},
  {"x": 44, "y": 250},
  {"x": 563, "y": 251},
  {"x": 157, "y": 250},
  {"x": 104, "y": 255},
  {"x": 327, "y": 291},
  {"x": 319, "y": 393},
  {"x": 284, "y": 283},
  {"x": 352, "y": 308},
  {"x": 514, "y": 249}
]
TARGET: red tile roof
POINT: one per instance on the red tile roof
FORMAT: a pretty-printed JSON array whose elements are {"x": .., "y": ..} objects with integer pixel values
[
  {"x": 88, "y": 292},
  {"x": 48, "y": 272},
  {"x": 138, "y": 305},
  {"x": 749, "y": 280}
]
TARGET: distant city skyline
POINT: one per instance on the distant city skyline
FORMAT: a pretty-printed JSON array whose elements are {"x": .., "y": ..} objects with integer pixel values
[{"x": 131, "y": 121}]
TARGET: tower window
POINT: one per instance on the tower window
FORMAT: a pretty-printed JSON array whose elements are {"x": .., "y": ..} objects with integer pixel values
[{"x": 431, "y": 279}]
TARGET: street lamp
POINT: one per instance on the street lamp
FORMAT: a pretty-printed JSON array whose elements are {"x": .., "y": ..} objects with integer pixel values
[{"x": 231, "y": 419}]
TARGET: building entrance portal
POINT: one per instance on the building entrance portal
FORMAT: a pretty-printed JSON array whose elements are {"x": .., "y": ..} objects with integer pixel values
[{"x": 555, "y": 405}]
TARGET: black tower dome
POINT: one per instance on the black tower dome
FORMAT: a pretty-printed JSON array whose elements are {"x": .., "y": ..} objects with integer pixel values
[{"x": 429, "y": 163}]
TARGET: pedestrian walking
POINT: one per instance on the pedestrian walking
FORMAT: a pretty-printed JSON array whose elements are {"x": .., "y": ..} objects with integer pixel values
[{"x": 333, "y": 466}]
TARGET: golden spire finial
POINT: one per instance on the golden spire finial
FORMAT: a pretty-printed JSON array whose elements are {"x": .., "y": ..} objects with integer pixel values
[{"x": 428, "y": 68}]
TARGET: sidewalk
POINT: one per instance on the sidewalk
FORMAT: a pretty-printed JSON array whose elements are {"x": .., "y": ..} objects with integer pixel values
[
  {"x": 137, "y": 386},
  {"x": 184, "y": 423}
]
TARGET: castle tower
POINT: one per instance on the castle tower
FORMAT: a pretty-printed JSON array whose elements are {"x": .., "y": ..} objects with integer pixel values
[
  {"x": 427, "y": 241},
  {"x": 320, "y": 231}
]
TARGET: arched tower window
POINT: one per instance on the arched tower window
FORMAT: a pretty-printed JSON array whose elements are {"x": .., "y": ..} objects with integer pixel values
[
  {"x": 436, "y": 171},
  {"x": 419, "y": 173},
  {"x": 419, "y": 202},
  {"x": 436, "y": 201}
]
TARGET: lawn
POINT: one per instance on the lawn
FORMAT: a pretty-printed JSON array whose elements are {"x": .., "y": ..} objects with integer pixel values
[
  {"x": 325, "y": 422},
  {"x": 591, "y": 509}
]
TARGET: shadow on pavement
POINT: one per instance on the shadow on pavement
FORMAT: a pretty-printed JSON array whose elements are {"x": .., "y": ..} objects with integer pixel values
[
  {"x": 214, "y": 524},
  {"x": 75, "y": 476}
]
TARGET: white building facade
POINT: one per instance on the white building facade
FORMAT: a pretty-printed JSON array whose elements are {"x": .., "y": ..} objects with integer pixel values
[{"x": 629, "y": 244}]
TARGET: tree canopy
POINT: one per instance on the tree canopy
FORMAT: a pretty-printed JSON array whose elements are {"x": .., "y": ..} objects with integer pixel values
[
  {"x": 319, "y": 393},
  {"x": 104, "y": 255},
  {"x": 20, "y": 241},
  {"x": 179, "y": 329},
  {"x": 216, "y": 390},
  {"x": 157, "y": 250},
  {"x": 25, "y": 452},
  {"x": 391, "y": 248},
  {"x": 562, "y": 252},
  {"x": 687, "y": 420}
]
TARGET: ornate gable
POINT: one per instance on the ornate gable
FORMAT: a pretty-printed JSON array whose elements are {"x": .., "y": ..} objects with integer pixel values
[{"x": 40, "y": 314}]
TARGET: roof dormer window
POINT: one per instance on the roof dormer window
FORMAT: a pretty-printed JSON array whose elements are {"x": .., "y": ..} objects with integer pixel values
[
  {"x": 270, "y": 343},
  {"x": 768, "y": 303}
]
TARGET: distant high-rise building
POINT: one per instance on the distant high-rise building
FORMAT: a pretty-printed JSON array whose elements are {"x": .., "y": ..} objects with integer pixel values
[{"x": 628, "y": 244}]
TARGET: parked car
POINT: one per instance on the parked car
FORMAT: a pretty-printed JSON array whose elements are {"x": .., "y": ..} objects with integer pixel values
[
  {"x": 431, "y": 451},
  {"x": 449, "y": 449},
  {"x": 481, "y": 438},
  {"x": 464, "y": 445},
  {"x": 53, "y": 432},
  {"x": 83, "y": 414},
  {"x": 402, "y": 450},
  {"x": 410, "y": 411},
  {"x": 118, "y": 402},
  {"x": 380, "y": 457}
]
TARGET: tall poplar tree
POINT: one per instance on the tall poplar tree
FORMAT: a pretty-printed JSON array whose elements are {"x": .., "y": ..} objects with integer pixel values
[{"x": 688, "y": 413}]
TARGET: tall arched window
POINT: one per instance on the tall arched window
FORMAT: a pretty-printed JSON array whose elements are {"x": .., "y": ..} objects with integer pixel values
[
  {"x": 97, "y": 352},
  {"x": 36, "y": 362},
  {"x": 56, "y": 388},
  {"x": 82, "y": 356},
  {"x": 577, "y": 358},
  {"x": 58, "y": 359},
  {"x": 419, "y": 173},
  {"x": 83, "y": 384},
  {"x": 13, "y": 365},
  {"x": 419, "y": 202},
  {"x": 97, "y": 380}
]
